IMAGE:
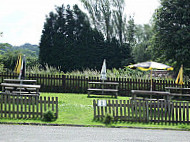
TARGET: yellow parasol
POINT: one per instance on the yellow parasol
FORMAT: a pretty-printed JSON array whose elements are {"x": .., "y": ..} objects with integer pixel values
[
  {"x": 179, "y": 79},
  {"x": 145, "y": 66},
  {"x": 18, "y": 65}
]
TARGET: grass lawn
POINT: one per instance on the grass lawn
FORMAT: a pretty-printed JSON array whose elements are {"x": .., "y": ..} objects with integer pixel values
[{"x": 77, "y": 109}]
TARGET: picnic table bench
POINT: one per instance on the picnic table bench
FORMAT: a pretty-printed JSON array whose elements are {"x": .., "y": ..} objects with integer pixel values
[
  {"x": 178, "y": 92},
  {"x": 102, "y": 87},
  {"x": 19, "y": 88},
  {"x": 145, "y": 93}
]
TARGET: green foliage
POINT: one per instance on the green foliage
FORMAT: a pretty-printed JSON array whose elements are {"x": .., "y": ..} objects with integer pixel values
[
  {"x": 38, "y": 69},
  {"x": 2, "y": 67},
  {"x": 113, "y": 73},
  {"x": 9, "y": 55},
  {"x": 140, "y": 50},
  {"x": 48, "y": 116},
  {"x": 26, "y": 49},
  {"x": 9, "y": 59},
  {"x": 184, "y": 127},
  {"x": 131, "y": 32},
  {"x": 100, "y": 13},
  {"x": 68, "y": 42},
  {"x": 170, "y": 42},
  {"x": 108, "y": 119},
  {"x": 4, "y": 46},
  {"x": 108, "y": 17},
  {"x": 119, "y": 20}
]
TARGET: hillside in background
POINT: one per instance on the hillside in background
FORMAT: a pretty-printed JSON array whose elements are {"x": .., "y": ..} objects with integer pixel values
[{"x": 26, "y": 49}]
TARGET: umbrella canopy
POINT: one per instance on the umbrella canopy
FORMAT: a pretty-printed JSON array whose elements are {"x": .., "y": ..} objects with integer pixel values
[
  {"x": 179, "y": 79},
  {"x": 21, "y": 67},
  {"x": 18, "y": 64},
  {"x": 145, "y": 66},
  {"x": 103, "y": 71},
  {"x": 150, "y": 65}
]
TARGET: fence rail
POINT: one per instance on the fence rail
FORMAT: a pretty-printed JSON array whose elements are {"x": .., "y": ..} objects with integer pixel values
[
  {"x": 144, "y": 111},
  {"x": 27, "y": 106},
  {"x": 79, "y": 84}
]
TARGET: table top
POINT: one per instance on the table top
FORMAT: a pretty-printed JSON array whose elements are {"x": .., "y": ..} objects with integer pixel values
[
  {"x": 18, "y": 80},
  {"x": 149, "y": 92},
  {"x": 176, "y": 88},
  {"x": 20, "y": 85},
  {"x": 109, "y": 83}
]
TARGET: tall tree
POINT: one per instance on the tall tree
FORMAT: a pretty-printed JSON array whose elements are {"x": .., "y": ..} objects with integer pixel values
[
  {"x": 119, "y": 20},
  {"x": 131, "y": 32},
  {"x": 47, "y": 40},
  {"x": 69, "y": 42},
  {"x": 140, "y": 50},
  {"x": 100, "y": 12},
  {"x": 172, "y": 32}
]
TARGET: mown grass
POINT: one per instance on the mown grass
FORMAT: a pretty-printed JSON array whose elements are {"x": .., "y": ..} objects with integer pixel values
[{"x": 77, "y": 109}]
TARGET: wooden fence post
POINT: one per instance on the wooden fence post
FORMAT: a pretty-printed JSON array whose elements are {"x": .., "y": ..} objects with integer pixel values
[
  {"x": 56, "y": 107},
  {"x": 147, "y": 111},
  {"x": 63, "y": 83},
  {"x": 94, "y": 106}
]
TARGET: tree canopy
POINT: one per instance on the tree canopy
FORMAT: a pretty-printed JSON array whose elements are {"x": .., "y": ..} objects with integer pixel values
[
  {"x": 171, "y": 41},
  {"x": 70, "y": 43}
]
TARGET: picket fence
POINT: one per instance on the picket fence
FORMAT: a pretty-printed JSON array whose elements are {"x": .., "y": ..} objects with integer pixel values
[
  {"x": 79, "y": 84},
  {"x": 27, "y": 107},
  {"x": 143, "y": 111}
]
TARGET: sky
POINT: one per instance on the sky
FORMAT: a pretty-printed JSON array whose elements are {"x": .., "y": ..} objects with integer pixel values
[{"x": 21, "y": 21}]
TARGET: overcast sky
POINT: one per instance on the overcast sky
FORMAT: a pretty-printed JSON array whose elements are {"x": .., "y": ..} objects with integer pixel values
[{"x": 21, "y": 21}]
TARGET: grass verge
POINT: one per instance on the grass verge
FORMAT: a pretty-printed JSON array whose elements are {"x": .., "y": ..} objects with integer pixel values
[{"x": 77, "y": 109}]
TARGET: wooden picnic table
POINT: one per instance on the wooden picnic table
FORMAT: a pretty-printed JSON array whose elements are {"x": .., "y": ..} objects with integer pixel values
[
  {"x": 145, "y": 93},
  {"x": 13, "y": 88},
  {"x": 179, "y": 92},
  {"x": 19, "y": 81},
  {"x": 177, "y": 88},
  {"x": 102, "y": 87}
]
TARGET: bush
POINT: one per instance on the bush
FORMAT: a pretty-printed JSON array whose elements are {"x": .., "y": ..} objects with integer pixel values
[
  {"x": 48, "y": 116},
  {"x": 108, "y": 119}
]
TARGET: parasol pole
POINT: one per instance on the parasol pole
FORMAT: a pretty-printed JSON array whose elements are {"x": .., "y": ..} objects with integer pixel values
[
  {"x": 181, "y": 77},
  {"x": 151, "y": 80}
]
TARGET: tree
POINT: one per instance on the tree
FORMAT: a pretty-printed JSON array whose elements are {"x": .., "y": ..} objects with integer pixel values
[
  {"x": 100, "y": 12},
  {"x": 68, "y": 42},
  {"x": 171, "y": 42},
  {"x": 2, "y": 47},
  {"x": 141, "y": 49},
  {"x": 9, "y": 59},
  {"x": 131, "y": 32},
  {"x": 119, "y": 20},
  {"x": 47, "y": 40}
]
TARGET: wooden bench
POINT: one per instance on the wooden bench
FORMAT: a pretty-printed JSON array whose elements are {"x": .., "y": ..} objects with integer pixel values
[
  {"x": 178, "y": 92},
  {"x": 16, "y": 89},
  {"x": 145, "y": 93},
  {"x": 20, "y": 81},
  {"x": 103, "y": 87}
]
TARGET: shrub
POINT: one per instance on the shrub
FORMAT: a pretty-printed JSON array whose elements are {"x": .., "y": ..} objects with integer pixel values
[
  {"x": 108, "y": 119},
  {"x": 48, "y": 116}
]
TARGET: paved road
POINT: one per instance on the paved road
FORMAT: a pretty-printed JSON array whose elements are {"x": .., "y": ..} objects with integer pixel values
[{"x": 25, "y": 133}]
